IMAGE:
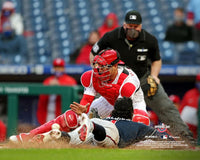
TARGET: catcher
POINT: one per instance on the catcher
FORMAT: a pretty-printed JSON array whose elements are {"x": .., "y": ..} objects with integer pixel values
[
  {"x": 108, "y": 79},
  {"x": 111, "y": 81}
]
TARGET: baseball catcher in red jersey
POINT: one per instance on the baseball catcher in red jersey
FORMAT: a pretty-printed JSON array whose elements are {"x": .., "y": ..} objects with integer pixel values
[
  {"x": 108, "y": 79},
  {"x": 111, "y": 81}
]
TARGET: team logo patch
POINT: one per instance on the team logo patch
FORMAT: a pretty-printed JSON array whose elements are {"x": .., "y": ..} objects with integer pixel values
[
  {"x": 162, "y": 128},
  {"x": 141, "y": 57},
  {"x": 133, "y": 17}
]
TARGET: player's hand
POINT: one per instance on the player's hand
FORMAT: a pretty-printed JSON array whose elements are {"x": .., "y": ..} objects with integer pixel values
[
  {"x": 156, "y": 79},
  {"x": 78, "y": 108}
]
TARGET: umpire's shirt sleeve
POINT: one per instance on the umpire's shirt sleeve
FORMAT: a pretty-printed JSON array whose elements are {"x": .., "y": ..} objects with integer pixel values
[
  {"x": 103, "y": 43},
  {"x": 155, "y": 53}
]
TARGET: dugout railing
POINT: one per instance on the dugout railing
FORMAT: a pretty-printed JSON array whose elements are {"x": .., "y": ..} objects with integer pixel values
[{"x": 14, "y": 90}]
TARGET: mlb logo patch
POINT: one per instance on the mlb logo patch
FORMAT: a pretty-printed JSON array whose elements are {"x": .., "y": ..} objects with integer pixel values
[
  {"x": 165, "y": 136},
  {"x": 141, "y": 57},
  {"x": 133, "y": 17},
  {"x": 95, "y": 48}
]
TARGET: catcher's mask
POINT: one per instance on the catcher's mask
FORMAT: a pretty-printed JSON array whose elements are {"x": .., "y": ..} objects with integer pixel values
[{"x": 103, "y": 62}]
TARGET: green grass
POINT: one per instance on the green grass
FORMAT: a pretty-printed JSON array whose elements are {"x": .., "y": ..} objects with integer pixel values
[{"x": 97, "y": 154}]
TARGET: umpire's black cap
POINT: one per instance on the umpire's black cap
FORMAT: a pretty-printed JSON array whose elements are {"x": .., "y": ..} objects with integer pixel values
[{"x": 133, "y": 17}]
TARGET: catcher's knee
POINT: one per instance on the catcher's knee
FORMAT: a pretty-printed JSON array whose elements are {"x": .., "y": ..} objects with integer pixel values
[{"x": 68, "y": 119}]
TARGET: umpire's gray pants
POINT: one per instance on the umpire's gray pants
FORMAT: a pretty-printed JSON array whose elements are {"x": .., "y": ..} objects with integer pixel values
[{"x": 166, "y": 111}]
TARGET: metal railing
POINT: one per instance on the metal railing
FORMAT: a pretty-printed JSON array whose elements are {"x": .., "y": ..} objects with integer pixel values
[{"x": 13, "y": 90}]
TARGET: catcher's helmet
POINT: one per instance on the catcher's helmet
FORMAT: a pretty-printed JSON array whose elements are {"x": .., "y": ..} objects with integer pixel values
[
  {"x": 102, "y": 63},
  {"x": 110, "y": 56},
  {"x": 58, "y": 62}
]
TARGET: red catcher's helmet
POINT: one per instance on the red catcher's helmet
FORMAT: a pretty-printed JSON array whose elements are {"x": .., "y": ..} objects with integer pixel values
[
  {"x": 58, "y": 62},
  {"x": 102, "y": 63}
]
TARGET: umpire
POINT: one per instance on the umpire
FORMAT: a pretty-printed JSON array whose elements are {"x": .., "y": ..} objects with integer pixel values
[{"x": 139, "y": 50}]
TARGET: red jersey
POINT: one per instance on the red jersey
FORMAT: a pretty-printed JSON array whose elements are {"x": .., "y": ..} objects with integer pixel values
[
  {"x": 83, "y": 57},
  {"x": 49, "y": 106},
  {"x": 188, "y": 109}
]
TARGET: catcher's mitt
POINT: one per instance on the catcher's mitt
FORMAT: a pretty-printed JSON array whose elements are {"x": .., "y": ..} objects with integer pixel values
[{"x": 153, "y": 86}]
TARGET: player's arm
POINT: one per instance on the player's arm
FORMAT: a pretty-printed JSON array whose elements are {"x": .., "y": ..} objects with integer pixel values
[
  {"x": 79, "y": 108},
  {"x": 140, "y": 116},
  {"x": 155, "y": 69},
  {"x": 88, "y": 96}
]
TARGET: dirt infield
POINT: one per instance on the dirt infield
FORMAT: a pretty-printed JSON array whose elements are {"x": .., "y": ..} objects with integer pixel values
[{"x": 144, "y": 145}]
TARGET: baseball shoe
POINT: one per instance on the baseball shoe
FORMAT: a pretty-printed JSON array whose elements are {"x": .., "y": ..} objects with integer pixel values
[
  {"x": 54, "y": 134},
  {"x": 85, "y": 128},
  {"x": 21, "y": 138}
]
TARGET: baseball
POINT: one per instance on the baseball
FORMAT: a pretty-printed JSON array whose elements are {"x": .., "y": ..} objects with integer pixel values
[{"x": 55, "y": 126}]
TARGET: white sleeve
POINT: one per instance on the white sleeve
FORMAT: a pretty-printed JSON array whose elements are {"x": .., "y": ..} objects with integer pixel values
[
  {"x": 137, "y": 96},
  {"x": 90, "y": 90}
]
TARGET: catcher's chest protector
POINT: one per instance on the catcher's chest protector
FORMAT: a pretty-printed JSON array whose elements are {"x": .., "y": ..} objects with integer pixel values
[{"x": 111, "y": 91}]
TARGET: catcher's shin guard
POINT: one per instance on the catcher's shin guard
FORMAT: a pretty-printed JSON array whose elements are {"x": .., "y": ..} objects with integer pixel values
[{"x": 67, "y": 121}]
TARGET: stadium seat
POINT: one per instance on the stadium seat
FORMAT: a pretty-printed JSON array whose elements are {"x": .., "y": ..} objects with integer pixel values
[{"x": 65, "y": 24}]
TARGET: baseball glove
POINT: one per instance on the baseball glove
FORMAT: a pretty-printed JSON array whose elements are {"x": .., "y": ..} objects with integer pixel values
[{"x": 153, "y": 86}]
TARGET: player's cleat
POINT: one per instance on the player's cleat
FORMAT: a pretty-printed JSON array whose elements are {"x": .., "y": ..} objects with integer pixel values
[
  {"x": 37, "y": 139},
  {"x": 53, "y": 134},
  {"x": 21, "y": 138},
  {"x": 85, "y": 128},
  {"x": 83, "y": 133},
  {"x": 13, "y": 139}
]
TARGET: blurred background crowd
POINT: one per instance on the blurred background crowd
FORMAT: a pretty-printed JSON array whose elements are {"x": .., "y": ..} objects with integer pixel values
[
  {"x": 57, "y": 28},
  {"x": 39, "y": 31}
]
